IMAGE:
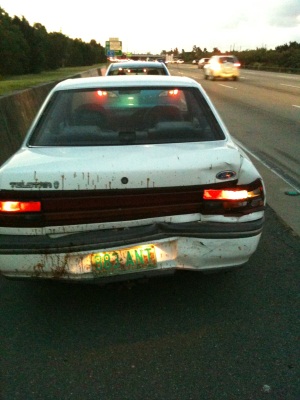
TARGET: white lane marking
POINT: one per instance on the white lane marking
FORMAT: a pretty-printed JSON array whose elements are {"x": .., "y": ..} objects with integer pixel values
[
  {"x": 246, "y": 150},
  {"x": 229, "y": 87},
  {"x": 283, "y": 84}
]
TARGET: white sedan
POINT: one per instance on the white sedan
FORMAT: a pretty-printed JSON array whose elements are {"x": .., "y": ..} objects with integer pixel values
[{"x": 119, "y": 178}]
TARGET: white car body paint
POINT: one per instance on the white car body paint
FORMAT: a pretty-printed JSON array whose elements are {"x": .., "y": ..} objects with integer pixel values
[{"x": 147, "y": 166}]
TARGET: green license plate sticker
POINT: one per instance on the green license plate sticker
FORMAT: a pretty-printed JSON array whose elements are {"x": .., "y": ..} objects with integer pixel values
[{"x": 125, "y": 260}]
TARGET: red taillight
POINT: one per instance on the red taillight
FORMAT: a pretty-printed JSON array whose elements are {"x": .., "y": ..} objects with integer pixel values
[
  {"x": 101, "y": 93},
  {"x": 173, "y": 92},
  {"x": 212, "y": 194},
  {"x": 234, "y": 201},
  {"x": 20, "y": 206}
]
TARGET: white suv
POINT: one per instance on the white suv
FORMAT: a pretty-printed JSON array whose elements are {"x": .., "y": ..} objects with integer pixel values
[{"x": 224, "y": 66}]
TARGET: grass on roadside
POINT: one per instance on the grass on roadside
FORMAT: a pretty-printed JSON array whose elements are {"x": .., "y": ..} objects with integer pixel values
[{"x": 20, "y": 82}]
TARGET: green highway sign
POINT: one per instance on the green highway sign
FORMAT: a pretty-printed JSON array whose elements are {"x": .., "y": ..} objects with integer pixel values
[{"x": 113, "y": 48}]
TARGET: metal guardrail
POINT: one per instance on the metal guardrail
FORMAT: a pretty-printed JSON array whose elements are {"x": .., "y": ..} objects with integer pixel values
[
  {"x": 260, "y": 67},
  {"x": 286, "y": 70}
]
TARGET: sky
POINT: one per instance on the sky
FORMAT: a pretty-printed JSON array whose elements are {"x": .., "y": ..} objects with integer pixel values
[{"x": 165, "y": 25}]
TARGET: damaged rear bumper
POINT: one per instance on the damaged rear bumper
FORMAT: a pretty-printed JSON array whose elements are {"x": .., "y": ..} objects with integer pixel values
[{"x": 194, "y": 245}]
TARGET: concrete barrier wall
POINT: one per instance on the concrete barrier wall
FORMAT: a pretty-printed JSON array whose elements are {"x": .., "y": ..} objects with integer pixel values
[{"x": 18, "y": 110}]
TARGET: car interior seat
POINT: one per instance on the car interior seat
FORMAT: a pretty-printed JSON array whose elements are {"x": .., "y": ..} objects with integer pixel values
[
  {"x": 90, "y": 114},
  {"x": 160, "y": 113},
  {"x": 152, "y": 72}
]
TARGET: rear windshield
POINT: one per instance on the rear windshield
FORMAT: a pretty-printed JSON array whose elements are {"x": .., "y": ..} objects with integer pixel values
[
  {"x": 125, "y": 116},
  {"x": 228, "y": 60},
  {"x": 137, "y": 71}
]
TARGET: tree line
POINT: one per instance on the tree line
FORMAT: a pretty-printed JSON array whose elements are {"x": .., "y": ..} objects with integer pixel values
[
  {"x": 285, "y": 57},
  {"x": 26, "y": 49}
]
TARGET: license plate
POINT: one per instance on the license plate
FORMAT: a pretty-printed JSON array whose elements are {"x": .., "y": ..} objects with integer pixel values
[{"x": 124, "y": 260}]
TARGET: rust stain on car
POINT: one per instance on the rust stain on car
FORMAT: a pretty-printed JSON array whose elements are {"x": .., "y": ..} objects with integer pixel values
[
  {"x": 62, "y": 181},
  {"x": 61, "y": 269},
  {"x": 59, "y": 272},
  {"x": 38, "y": 270}
]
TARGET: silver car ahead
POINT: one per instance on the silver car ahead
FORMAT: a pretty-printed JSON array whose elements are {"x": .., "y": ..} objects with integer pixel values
[
  {"x": 137, "y": 68},
  {"x": 202, "y": 62}
]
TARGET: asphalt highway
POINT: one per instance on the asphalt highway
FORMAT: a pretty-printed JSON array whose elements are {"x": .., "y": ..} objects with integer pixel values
[{"x": 262, "y": 112}]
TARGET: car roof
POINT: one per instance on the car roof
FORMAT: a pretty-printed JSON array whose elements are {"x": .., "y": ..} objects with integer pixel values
[
  {"x": 136, "y": 64},
  {"x": 129, "y": 81}
]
